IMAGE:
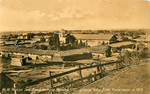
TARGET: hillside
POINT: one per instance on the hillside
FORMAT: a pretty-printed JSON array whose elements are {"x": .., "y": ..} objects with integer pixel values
[{"x": 134, "y": 80}]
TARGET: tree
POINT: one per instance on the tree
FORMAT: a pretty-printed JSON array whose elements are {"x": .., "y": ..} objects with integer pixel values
[
  {"x": 51, "y": 41},
  {"x": 135, "y": 35},
  {"x": 30, "y": 35},
  {"x": 103, "y": 43},
  {"x": 44, "y": 47},
  {"x": 125, "y": 39},
  {"x": 42, "y": 39},
  {"x": 122, "y": 34},
  {"x": 108, "y": 51}
]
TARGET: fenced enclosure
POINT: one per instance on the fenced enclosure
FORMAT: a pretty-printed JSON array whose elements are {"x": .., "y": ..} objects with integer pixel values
[{"x": 98, "y": 74}]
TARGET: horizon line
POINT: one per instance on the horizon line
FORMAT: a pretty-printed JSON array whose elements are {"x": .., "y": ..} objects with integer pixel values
[{"x": 69, "y": 29}]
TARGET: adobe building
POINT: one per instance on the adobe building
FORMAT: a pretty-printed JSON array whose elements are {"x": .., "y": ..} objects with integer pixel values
[
  {"x": 72, "y": 55},
  {"x": 96, "y": 39},
  {"x": 18, "y": 61}
]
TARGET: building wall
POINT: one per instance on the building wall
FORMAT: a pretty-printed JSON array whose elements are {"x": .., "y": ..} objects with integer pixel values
[
  {"x": 62, "y": 40},
  {"x": 16, "y": 61},
  {"x": 77, "y": 57},
  {"x": 92, "y": 43}
]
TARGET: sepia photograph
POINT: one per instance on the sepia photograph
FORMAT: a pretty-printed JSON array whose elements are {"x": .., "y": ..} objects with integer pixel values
[{"x": 74, "y": 46}]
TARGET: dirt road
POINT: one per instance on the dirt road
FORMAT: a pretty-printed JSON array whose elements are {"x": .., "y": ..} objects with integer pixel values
[{"x": 134, "y": 80}]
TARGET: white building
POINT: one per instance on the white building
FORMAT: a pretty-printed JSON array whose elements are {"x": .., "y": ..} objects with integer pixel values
[
  {"x": 62, "y": 38},
  {"x": 18, "y": 61},
  {"x": 93, "y": 39}
]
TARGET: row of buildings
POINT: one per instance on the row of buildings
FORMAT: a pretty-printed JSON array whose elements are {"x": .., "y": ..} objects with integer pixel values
[
  {"x": 40, "y": 47},
  {"x": 62, "y": 40},
  {"x": 18, "y": 57}
]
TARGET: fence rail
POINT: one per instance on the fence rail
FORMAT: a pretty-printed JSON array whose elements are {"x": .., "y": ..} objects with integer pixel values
[{"x": 99, "y": 72}]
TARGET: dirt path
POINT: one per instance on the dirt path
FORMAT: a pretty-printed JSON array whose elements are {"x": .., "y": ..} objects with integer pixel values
[{"x": 134, "y": 80}]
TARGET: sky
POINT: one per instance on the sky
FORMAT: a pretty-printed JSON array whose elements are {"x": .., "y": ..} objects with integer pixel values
[{"x": 73, "y": 14}]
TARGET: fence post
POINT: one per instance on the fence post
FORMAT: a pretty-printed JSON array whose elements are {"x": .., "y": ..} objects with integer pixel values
[
  {"x": 117, "y": 66},
  {"x": 15, "y": 88},
  {"x": 63, "y": 65},
  {"x": 80, "y": 72},
  {"x": 100, "y": 68},
  {"x": 51, "y": 82},
  {"x": 98, "y": 71},
  {"x": 125, "y": 63},
  {"x": 95, "y": 76},
  {"x": 51, "y": 57},
  {"x": 71, "y": 83}
]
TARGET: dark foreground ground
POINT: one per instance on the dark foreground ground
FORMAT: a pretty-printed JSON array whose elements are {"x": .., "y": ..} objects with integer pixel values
[{"x": 133, "y": 80}]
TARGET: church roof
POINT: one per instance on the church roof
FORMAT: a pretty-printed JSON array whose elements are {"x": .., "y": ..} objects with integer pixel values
[{"x": 93, "y": 36}]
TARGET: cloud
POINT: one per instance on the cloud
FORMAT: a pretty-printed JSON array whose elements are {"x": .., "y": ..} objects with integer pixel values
[
  {"x": 37, "y": 13},
  {"x": 68, "y": 13},
  {"x": 82, "y": 14},
  {"x": 53, "y": 18},
  {"x": 72, "y": 13}
]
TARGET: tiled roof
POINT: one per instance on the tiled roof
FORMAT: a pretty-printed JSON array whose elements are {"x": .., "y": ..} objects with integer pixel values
[
  {"x": 145, "y": 38},
  {"x": 120, "y": 44},
  {"x": 44, "y": 52},
  {"x": 9, "y": 42},
  {"x": 73, "y": 52},
  {"x": 93, "y": 36},
  {"x": 28, "y": 50},
  {"x": 99, "y": 49}
]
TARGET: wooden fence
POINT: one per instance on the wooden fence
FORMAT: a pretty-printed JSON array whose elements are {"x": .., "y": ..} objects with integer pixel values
[{"x": 51, "y": 77}]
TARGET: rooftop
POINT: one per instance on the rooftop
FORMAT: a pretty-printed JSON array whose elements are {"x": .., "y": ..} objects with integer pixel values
[
  {"x": 93, "y": 36},
  {"x": 73, "y": 52},
  {"x": 120, "y": 44},
  {"x": 145, "y": 38},
  {"x": 43, "y": 52},
  {"x": 98, "y": 49}
]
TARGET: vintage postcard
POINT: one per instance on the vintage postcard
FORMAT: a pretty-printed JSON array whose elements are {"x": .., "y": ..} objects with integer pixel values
[{"x": 74, "y": 46}]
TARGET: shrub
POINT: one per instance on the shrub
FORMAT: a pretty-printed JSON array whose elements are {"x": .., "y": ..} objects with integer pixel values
[
  {"x": 44, "y": 47},
  {"x": 145, "y": 53},
  {"x": 134, "y": 57},
  {"x": 125, "y": 39}
]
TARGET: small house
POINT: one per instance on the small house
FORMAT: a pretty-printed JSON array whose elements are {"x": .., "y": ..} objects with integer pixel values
[
  {"x": 5, "y": 54},
  {"x": 100, "y": 50},
  {"x": 33, "y": 57},
  {"x": 145, "y": 40},
  {"x": 122, "y": 45},
  {"x": 23, "y": 37},
  {"x": 72, "y": 55},
  {"x": 8, "y": 43},
  {"x": 17, "y": 61},
  {"x": 2, "y": 43},
  {"x": 44, "y": 58},
  {"x": 113, "y": 39}
]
